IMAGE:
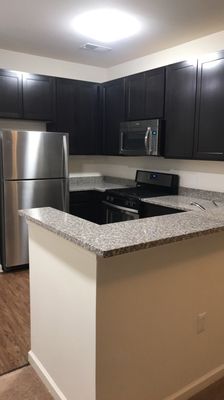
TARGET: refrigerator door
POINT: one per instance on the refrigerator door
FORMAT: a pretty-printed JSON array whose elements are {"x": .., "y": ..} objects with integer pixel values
[
  {"x": 33, "y": 155},
  {"x": 20, "y": 195}
]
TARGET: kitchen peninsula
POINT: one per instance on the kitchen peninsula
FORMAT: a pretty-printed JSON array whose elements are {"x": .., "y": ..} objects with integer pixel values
[{"x": 127, "y": 310}]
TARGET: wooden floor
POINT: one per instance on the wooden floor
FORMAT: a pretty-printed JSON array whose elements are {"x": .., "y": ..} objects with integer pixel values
[
  {"x": 14, "y": 320},
  {"x": 213, "y": 392}
]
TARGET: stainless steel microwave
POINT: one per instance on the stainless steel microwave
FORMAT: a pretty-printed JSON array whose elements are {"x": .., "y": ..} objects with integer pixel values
[{"x": 139, "y": 138}]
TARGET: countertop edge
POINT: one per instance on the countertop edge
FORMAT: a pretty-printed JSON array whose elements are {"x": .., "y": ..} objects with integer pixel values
[{"x": 120, "y": 250}]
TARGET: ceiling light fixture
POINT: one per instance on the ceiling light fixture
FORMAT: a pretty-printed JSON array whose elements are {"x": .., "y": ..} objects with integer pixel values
[{"x": 106, "y": 25}]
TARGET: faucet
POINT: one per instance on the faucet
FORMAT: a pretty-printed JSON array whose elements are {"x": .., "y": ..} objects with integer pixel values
[
  {"x": 198, "y": 205},
  {"x": 215, "y": 203}
]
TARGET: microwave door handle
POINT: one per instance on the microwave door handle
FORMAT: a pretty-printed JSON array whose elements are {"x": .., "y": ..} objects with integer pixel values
[{"x": 147, "y": 144}]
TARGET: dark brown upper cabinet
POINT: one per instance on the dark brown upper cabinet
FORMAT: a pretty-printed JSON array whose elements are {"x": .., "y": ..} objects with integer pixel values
[
  {"x": 87, "y": 118},
  {"x": 77, "y": 112},
  {"x": 209, "y": 138},
  {"x": 10, "y": 94},
  {"x": 135, "y": 97},
  {"x": 180, "y": 109},
  {"x": 155, "y": 93},
  {"x": 65, "y": 110},
  {"x": 113, "y": 114},
  {"x": 145, "y": 95},
  {"x": 38, "y": 97}
]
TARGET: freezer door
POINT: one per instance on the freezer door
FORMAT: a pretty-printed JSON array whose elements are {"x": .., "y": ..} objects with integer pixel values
[
  {"x": 20, "y": 195},
  {"x": 33, "y": 155}
]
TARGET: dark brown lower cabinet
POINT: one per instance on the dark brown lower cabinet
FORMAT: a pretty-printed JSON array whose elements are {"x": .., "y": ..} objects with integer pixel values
[{"x": 87, "y": 205}]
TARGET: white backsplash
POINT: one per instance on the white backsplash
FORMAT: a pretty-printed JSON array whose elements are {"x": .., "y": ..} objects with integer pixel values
[
  {"x": 205, "y": 175},
  {"x": 22, "y": 124}
]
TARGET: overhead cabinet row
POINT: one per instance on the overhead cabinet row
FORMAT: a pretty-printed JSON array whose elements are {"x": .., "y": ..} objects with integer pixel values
[
  {"x": 189, "y": 96},
  {"x": 194, "y": 109},
  {"x": 27, "y": 96}
]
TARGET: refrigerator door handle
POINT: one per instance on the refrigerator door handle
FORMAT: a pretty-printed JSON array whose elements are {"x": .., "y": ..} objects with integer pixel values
[{"x": 65, "y": 150}]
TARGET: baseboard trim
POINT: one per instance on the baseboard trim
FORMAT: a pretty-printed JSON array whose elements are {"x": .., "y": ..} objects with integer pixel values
[
  {"x": 183, "y": 394},
  {"x": 45, "y": 377},
  {"x": 198, "y": 385}
]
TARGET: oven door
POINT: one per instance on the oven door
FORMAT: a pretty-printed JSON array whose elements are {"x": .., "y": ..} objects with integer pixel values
[{"x": 114, "y": 213}]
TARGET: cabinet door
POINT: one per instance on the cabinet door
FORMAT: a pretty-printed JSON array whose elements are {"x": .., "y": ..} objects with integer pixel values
[
  {"x": 87, "y": 205},
  {"x": 10, "y": 94},
  {"x": 209, "y": 141},
  {"x": 135, "y": 97},
  {"x": 114, "y": 113},
  {"x": 155, "y": 93},
  {"x": 180, "y": 109},
  {"x": 65, "y": 111},
  {"x": 87, "y": 124},
  {"x": 38, "y": 97}
]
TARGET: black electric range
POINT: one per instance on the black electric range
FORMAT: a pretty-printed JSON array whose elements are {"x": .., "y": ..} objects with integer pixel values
[{"x": 125, "y": 204}]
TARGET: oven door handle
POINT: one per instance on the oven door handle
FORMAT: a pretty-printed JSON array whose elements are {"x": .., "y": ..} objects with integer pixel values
[
  {"x": 130, "y": 210},
  {"x": 147, "y": 144}
]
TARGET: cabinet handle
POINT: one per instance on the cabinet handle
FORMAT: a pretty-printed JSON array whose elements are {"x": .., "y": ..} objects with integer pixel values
[{"x": 147, "y": 145}]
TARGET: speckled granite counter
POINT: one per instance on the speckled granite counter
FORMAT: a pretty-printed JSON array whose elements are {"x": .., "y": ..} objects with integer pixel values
[
  {"x": 184, "y": 202},
  {"x": 99, "y": 183},
  {"x": 123, "y": 237}
]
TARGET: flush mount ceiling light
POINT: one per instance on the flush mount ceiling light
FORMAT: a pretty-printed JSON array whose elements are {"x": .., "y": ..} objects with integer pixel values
[{"x": 106, "y": 25}]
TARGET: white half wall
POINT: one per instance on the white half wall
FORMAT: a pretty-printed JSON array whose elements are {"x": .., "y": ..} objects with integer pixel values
[
  {"x": 49, "y": 66},
  {"x": 205, "y": 175},
  {"x": 63, "y": 314},
  {"x": 189, "y": 50}
]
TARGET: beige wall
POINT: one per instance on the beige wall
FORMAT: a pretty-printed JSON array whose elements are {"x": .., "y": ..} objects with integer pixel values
[
  {"x": 49, "y": 66},
  {"x": 148, "y": 347},
  {"x": 192, "y": 49}
]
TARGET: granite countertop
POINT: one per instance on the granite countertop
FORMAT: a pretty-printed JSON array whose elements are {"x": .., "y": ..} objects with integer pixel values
[
  {"x": 184, "y": 202},
  {"x": 123, "y": 237},
  {"x": 101, "y": 187},
  {"x": 99, "y": 183}
]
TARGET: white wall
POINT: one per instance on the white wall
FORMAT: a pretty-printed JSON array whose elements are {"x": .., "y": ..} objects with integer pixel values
[
  {"x": 207, "y": 175},
  {"x": 192, "y": 49},
  {"x": 49, "y": 66},
  {"x": 63, "y": 314}
]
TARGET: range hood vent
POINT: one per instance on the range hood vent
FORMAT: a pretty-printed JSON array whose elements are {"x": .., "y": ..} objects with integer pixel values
[{"x": 95, "y": 47}]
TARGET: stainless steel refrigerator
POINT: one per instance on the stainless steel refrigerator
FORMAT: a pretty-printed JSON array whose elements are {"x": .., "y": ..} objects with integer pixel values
[{"x": 33, "y": 173}]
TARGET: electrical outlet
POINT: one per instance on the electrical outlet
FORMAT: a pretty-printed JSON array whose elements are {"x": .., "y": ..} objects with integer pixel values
[{"x": 201, "y": 322}]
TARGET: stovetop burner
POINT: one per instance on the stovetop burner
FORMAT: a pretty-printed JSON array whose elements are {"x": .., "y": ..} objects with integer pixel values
[
  {"x": 148, "y": 184},
  {"x": 138, "y": 192}
]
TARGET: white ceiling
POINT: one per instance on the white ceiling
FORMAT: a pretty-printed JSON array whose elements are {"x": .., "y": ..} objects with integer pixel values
[{"x": 43, "y": 27}]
